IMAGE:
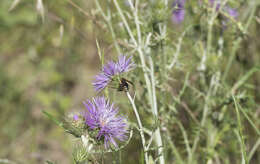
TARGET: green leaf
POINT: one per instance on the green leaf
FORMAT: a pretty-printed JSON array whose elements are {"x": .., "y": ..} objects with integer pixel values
[
  {"x": 49, "y": 162},
  {"x": 57, "y": 122}
]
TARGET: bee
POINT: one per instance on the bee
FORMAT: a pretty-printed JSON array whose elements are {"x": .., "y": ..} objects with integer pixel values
[{"x": 124, "y": 85}]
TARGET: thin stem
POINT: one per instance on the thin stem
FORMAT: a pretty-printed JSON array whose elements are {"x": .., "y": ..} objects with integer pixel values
[
  {"x": 150, "y": 141},
  {"x": 150, "y": 87},
  {"x": 186, "y": 140},
  {"x": 88, "y": 15},
  {"x": 174, "y": 149},
  {"x": 238, "y": 41},
  {"x": 125, "y": 22},
  {"x": 177, "y": 52},
  {"x": 214, "y": 14},
  {"x": 254, "y": 149},
  {"x": 243, "y": 79},
  {"x": 139, "y": 49},
  {"x": 210, "y": 25},
  {"x": 135, "y": 11},
  {"x": 251, "y": 17},
  {"x": 231, "y": 57},
  {"x": 153, "y": 87},
  {"x": 204, "y": 116},
  {"x": 249, "y": 120},
  {"x": 140, "y": 126},
  {"x": 243, "y": 147},
  {"x": 107, "y": 18},
  {"x": 120, "y": 157}
]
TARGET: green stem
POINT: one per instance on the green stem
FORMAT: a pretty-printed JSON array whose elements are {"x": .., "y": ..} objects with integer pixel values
[
  {"x": 139, "y": 125},
  {"x": 243, "y": 147},
  {"x": 237, "y": 42},
  {"x": 107, "y": 18}
]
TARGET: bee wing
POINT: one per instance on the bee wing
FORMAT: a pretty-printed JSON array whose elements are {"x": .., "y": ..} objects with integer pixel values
[{"x": 129, "y": 82}]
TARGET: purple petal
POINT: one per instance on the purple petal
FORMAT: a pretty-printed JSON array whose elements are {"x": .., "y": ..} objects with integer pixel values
[
  {"x": 232, "y": 12},
  {"x": 110, "y": 70},
  {"x": 178, "y": 13},
  {"x": 124, "y": 64},
  {"x": 75, "y": 117},
  {"x": 102, "y": 115},
  {"x": 178, "y": 16}
]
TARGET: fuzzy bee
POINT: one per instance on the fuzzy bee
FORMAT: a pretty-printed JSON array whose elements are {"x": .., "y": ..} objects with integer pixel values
[{"x": 124, "y": 85}]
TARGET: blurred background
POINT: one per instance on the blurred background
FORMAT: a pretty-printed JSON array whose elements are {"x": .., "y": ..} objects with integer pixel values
[{"x": 47, "y": 62}]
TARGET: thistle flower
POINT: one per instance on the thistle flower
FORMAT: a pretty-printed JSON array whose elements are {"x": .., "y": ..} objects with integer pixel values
[
  {"x": 112, "y": 69},
  {"x": 124, "y": 64},
  {"x": 230, "y": 11},
  {"x": 101, "y": 116},
  {"x": 178, "y": 13},
  {"x": 75, "y": 117}
]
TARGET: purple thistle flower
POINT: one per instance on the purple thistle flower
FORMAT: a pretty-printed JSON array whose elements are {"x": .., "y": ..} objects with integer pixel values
[
  {"x": 75, "y": 117},
  {"x": 102, "y": 116},
  {"x": 230, "y": 11},
  {"x": 178, "y": 13},
  {"x": 124, "y": 64},
  {"x": 112, "y": 69}
]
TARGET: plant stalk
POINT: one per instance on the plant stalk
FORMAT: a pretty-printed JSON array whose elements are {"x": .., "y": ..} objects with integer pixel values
[{"x": 139, "y": 125}]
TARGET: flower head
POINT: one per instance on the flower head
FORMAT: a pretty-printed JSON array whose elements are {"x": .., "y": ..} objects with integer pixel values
[
  {"x": 124, "y": 64},
  {"x": 230, "y": 11},
  {"x": 75, "y": 117},
  {"x": 102, "y": 116},
  {"x": 112, "y": 69},
  {"x": 179, "y": 11}
]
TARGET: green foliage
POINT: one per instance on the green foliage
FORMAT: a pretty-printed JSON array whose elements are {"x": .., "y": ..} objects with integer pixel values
[
  {"x": 80, "y": 155},
  {"x": 49, "y": 162},
  {"x": 206, "y": 79}
]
